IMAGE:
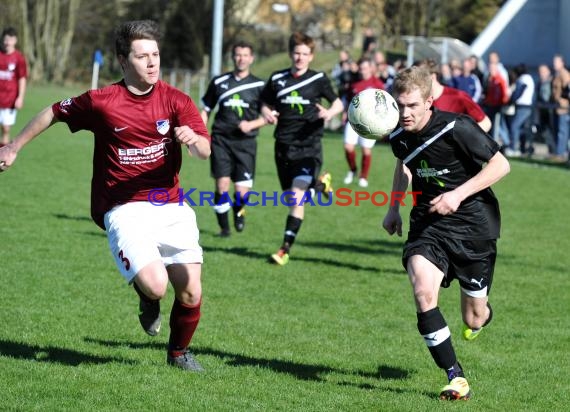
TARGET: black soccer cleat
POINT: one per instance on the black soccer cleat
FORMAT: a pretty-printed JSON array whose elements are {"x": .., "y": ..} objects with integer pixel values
[
  {"x": 239, "y": 220},
  {"x": 186, "y": 361},
  {"x": 149, "y": 316}
]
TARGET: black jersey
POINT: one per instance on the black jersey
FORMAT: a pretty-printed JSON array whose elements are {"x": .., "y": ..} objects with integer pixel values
[
  {"x": 237, "y": 100},
  {"x": 295, "y": 99},
  {"x": 446, "y": 153}
]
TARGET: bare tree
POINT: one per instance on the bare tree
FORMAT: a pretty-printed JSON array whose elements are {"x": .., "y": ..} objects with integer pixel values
[{"x": 48, "y": 28}]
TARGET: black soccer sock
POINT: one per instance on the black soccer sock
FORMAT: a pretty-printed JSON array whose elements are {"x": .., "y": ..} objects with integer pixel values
[
  {"x": 292, "y": 227},
  {"x": 221, "y": 210},
  {"x": 433, "y": 328},
  {"x": 239, "y": 202}
]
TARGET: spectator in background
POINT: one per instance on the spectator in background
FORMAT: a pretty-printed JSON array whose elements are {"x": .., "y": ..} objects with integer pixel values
[
  {"x": 369, "y": 43},
  {"x": 475, "y": 68},
  {"x": 544, "y": 108},
  {"x": 560, "y": 95},
  {"x": 496, "y": 96},
  {"x": 368, "y": 80},
  {"x": 384, "y": 71},
  {"x": 453, "y": 100},
  {"x": 468, "y": 82},
  {"x": 523, "y": 99},
  {"x": 446, "y": 77},
  {"x": 13, "y": 79}
]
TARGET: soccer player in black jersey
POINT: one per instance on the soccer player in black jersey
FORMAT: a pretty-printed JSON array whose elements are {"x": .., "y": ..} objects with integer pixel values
[
  {"x": 455, "y": 222},
  {"x": 234, "y": 132},
  {"x": 291, "y": 99}
]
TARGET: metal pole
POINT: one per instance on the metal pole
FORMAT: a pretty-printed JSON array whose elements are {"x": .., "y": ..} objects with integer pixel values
[{"x": 217, "y": 36}]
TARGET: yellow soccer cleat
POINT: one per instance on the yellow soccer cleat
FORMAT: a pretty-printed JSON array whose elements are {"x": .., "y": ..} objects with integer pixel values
[
  {"x": 281, "y": 257},
  {"x": 456, "y": 389},
  {"x": 326, "y": 180},
  {"x": 470, "y": 334}
]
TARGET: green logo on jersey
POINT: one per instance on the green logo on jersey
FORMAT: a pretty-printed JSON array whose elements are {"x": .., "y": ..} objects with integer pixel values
[
  {"x": 430, "y": 173},
  {"x": 296, "y": 101},
  {"x": 236, "y": 104}
]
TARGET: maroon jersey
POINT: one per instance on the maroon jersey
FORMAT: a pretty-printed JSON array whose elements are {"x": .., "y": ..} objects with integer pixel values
[
  {"x": 12, "y": 68},
  {"x": 360, "y": 85},
  {"x": 457, "y": 101},
  {"x": 135, "y": 148}
]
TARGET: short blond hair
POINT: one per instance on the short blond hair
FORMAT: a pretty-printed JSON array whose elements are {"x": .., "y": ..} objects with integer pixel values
[{"x": 412, "y": 78}]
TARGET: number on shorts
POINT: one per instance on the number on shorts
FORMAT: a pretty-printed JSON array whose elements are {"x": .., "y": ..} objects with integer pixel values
[{"x": 125, "y": 261}]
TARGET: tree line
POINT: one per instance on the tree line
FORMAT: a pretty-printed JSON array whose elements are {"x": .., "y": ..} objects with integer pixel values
[{"x": 59, "y": 37}]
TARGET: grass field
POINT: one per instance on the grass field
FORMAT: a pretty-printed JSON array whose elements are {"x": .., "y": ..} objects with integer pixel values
[{"x": 332, "y": 331}]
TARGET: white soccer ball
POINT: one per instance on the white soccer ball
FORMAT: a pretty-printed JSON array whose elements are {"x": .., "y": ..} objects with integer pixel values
[{"x": 373, "y": 113}]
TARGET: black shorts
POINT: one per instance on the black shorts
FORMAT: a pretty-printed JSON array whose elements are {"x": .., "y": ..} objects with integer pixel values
[
  {"x": 233, "y": 157},
  {"x": 471, "y": 262},
  {"x": 288, "y": 170}
]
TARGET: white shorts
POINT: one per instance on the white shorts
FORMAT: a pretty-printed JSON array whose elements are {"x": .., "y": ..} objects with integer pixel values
[
  {"x": 140, "y": 233},
  {"x": 351, "y": 137},
  {"x": 8, "y": 117}
]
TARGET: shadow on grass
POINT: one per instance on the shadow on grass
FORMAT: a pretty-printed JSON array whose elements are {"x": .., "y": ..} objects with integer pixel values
[
  {"x": 247, "y": 253},
  {"x": 65, "y": 216},
  {"x": 364, "y": 246},
  {"x": 52, "y": 354},
  {"x": 300, "y": 371}
]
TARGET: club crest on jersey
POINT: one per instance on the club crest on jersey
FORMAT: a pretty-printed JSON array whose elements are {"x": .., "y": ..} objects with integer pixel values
[{"x": 162, "y": 126}]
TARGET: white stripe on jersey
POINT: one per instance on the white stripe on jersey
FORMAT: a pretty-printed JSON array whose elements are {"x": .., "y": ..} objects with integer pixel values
[
  {"x": 428, "y": 142},
  {"x": 435, "y": 338},
  {"x": 301, "y": 84},
  {"x": 222, "y": 78},
  {"x": 240, "y": 88}
]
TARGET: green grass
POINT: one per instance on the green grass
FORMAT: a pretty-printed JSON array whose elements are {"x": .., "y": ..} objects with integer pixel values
[{"x": 332, "y": 331}]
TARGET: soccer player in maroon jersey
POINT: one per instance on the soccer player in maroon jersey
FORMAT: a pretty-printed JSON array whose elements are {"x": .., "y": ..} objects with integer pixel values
[
  {"x": 455, "y": 223},
  {"x": 368, "y": 80},
  {"x": 140, "y": 125},
  {"x": 13, "y": 80},
  {"x": 453, "y": 100}
]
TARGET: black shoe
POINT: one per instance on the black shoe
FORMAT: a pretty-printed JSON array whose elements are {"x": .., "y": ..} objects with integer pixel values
[
  {"x": 185, "y": 361},
  {"x": 149, "y": 316},
  {"x": 224, "y": 233},
  {"x": 239, "y": 220}
]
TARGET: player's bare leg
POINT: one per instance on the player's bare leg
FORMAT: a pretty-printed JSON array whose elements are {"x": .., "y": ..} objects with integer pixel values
[
  {"x": 476, "y": 313},
  {"x": 426, "y": 279}
]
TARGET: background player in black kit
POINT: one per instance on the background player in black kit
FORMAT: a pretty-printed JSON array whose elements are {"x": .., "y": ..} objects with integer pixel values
[
  {"x": 234, "y": 131},
  {"x": 291, "y": 98},
  {"x": 455, "y": 222}
]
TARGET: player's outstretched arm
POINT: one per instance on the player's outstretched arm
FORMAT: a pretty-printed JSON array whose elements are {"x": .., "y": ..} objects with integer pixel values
[
  {"x": 447, "y": 203},
  {"x": 37, "y": 125},
  {"x": 392, "y": 223}
]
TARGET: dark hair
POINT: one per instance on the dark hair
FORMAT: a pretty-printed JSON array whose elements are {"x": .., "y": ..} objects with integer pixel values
[
  {"x": 299, "y": 38},
  {"x": 9, "y": 31},
  {"x": 243, "y": 45},
  {"x": 520, "y": 69},
  {"x": 129, "y": 31}
]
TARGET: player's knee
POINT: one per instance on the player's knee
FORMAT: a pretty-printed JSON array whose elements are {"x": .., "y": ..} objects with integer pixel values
[
  {"x": 425, "y": 298},
  {"x": 191, "y": 296},
  {"x": 156, "y": 290}
]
